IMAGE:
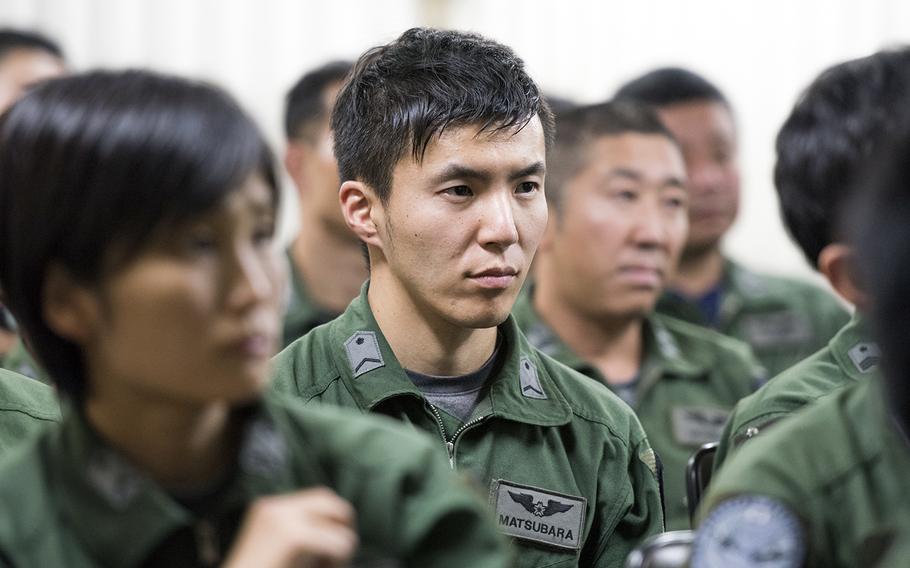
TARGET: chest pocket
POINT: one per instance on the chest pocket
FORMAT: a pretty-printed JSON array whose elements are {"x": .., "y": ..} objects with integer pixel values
[{"x": 547, "y": 525}]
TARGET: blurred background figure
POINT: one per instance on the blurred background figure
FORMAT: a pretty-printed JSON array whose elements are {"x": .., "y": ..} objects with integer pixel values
[
  {"x": 616, "y": 187},
  {"x": 841, "y": 122},
  {"x": 784, "y": 320},
  {"x": 26, "y": 58},
  {"x": 326, "y": 258},
  {"x": 829, "y": 487}
]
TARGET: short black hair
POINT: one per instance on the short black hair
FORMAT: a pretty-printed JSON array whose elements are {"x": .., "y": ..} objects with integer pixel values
[
  {"x": 578, "y": 127},
  {"x": 94, "y": 166},
  {"x": 304, "y": 104},
  {"x": 878, "y": 223},
  {"x": 13, "y": 39},
  {"x": 671, "y": 85},
  {"x": 839, "y": 122},
  {"x": 559, "y": 105},
  {"x": 402, "y": 94}
]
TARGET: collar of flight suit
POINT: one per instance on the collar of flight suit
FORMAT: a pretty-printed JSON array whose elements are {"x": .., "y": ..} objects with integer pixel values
[
  {"x": 387, "y": 380},
  {"x": 302, "y": 313},
  {"x": 121, "y": 515},
  {"x": 856, "y": 354},
  {"x": 741, "y": 288},
  {"x": 662, "y": 354}
]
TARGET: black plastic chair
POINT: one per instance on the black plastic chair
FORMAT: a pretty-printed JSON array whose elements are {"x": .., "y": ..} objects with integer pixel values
[
  {"x": 698, "y": 475},
  {"x": 666, "y": 550}
]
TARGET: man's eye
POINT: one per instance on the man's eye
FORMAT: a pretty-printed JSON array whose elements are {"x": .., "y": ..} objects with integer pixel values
[
  {"x": 675, "y": 202},
  {"x": 459, "y": 191},
  {"x": 263, "y": 235},
  {"x": 626, "y": 195},
  {"x": 527, "y": 187}
]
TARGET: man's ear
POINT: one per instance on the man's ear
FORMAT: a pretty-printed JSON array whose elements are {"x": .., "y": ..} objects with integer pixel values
[
  {"x": 549, "y": 234},
  {"x": 294, "y": 161},
  {"x": 837, "y": 264},
  {"x": 69, "y": 307},
  {"x": 363, "y": 212}
]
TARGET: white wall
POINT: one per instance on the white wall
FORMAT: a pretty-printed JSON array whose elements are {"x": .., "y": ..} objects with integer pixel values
[{"x": 761, "y": 52}]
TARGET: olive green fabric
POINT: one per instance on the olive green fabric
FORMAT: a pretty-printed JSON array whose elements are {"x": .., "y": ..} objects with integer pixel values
[
  {"x": 690, "y": 378},
  {"x": 25, "y": 406},
  {"x": 849, "y": 357},
  {"x": 71, "y": 500},
  {"x": 302, "y": 314},
  {"x": 782, "y": 319},
  {"x": 539, "y": 425},
  {"x": 841, "y": 466},
  {"x": 19, "y": 360}
]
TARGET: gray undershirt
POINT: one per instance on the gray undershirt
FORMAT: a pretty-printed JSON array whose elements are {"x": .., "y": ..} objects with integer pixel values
[
  {"x": 628, "y": 392},
  {"x": 459, "y": 395}
]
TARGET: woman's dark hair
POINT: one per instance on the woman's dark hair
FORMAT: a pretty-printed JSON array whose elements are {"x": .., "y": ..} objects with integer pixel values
[{"x": 92, "y": 167}]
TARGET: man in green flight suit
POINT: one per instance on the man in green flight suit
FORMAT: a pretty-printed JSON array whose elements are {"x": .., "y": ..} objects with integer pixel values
[
  {"x": 441, "y": 142},
  {"x": 829, "y": 487},
  {"x": 784, "y": 320},
  {"x": 618, "y": 203},
  {"x": 828, "y": 140},
  {"x": 325, "y": 258}
]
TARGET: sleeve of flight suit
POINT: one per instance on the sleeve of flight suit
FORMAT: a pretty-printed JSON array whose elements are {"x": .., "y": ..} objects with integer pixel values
[
  {"x": 636, "y": 512},
  {"x": 410, "y": 506}
]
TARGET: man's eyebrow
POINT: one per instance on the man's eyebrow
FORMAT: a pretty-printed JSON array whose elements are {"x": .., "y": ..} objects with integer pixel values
[
  {"x": 459, "y": 171},
  {"x": 675, "y": 182},
  {"x": 625, "y": 173},
  {"x": 535, "y": 169}
]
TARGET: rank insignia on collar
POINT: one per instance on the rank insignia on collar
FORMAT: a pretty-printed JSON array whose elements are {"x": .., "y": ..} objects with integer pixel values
[
  {"x": 264, "y": 450},
  {"x": 530, "y": 382},
  {"x": 363, "y": 352},
  {"x": 112, "y": 477},
  {"x": 865, "y": 356}
]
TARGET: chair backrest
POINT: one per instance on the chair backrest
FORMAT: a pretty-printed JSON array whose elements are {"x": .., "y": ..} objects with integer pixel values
[
  {"x": 698, "y": 475},
  {"x": 666, "y": 550}
]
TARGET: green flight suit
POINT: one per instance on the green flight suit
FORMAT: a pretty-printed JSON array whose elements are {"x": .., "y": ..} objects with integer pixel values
[
  {"x": 849, "y": 357},
  {"x": 782, "y": 319},
  {"x": 25, "y": 406},
  {"x": 567, "y": 466},
  {"x": 71, "y": 500},
  {"x": 827, "y": 488},
  {"x": 19, "y": 360},
  {"x": 689, "y": 380},
  {"x": 302, "y": 313}
]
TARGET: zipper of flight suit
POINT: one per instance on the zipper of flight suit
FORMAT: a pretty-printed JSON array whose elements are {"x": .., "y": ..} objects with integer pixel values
[{"x": 450, "y": 442}]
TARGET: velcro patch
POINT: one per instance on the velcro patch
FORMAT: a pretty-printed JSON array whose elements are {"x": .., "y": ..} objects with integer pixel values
[
  {"x": 865, "y": 356},
  {"x": 363, "y": 352},
  {"x": 530, "y": 382},
  {"x": 539, "y": 515},
  {"x": 694, "y": 426},
  {"x": 749, "y": 530},
  {"x": 776, "y": 329}
]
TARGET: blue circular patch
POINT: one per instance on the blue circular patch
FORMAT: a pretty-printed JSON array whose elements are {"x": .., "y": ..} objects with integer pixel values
[{"x": 749, "y": 531}]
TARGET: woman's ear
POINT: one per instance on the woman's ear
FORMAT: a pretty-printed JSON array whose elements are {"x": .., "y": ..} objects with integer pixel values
[
  {"x": 69, "y": 307},
  {"x": 363, "y": 212}
]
